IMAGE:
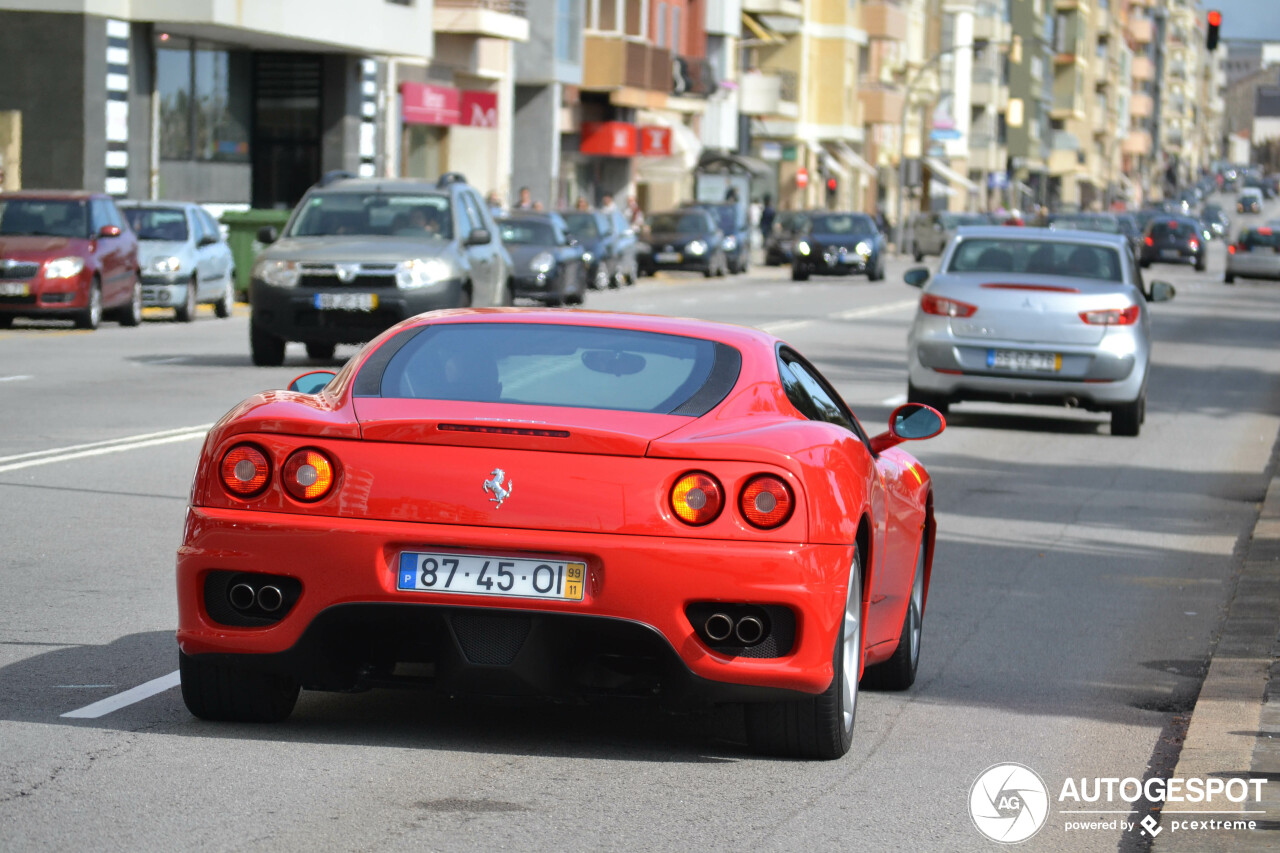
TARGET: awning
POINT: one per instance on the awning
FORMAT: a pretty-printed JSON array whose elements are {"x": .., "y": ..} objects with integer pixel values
[
  {"x": 735, "y": 162},
  {"x": 854, "y": 159},
  {"x": 686, "y": 150},
  {"x": 833, "y": 163},
  {"x": 951, "y": 175},
  {"x": 757, "y": 30}
]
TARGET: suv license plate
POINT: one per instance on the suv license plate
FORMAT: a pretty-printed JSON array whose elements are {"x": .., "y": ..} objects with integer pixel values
[
  {"x": 1003, "y": 359},
  {"x": 346, "y": 301}
]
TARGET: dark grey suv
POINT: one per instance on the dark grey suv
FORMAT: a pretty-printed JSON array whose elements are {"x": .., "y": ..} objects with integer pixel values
[{"x": 359, "y": 255}]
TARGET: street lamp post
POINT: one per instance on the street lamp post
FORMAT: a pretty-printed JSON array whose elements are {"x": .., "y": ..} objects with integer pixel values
[{"x": 978, "y": 44}]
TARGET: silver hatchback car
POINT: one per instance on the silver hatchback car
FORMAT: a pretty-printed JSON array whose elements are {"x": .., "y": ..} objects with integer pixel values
[
  {"x": 1254, "y": 254},
  {"x": 1029, "y": 315}
]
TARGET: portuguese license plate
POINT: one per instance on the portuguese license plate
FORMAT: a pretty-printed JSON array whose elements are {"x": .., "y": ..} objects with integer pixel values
[
  {"x": 346, "y": 301},
  {"x": 1004, "y": 359},
  {"x": 10, "y": 288},
  {"x": 667, "y": 257},
  {"x": 1170, "y": 253},
  {"x": 479, "y": 574}
]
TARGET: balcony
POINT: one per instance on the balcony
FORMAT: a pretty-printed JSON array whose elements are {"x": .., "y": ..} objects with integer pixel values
[
  {"x": 985, "y": 156},
  {"x": 769, "y": 93},
  {"x": 1101, "y": 75},
  {"x": 1067, "y": 106},
  {"x": 693, "y": 77},
  {"x": 987, "y": 89},
  {"x": 610, "y": 62},
  {"x": 1141, "y": 106},
  {"x": 1141, "y": 30},
  {"x": 1138, "y": 143},
  {"x": 883, "y": 20},
  {"x": 880, "y": 104},
  {"x": 781, "y": 8},
  {"x": 500, "y": 19},
  {"x": 1142, "y": 69},
  {"x": 988, "y": 24}
]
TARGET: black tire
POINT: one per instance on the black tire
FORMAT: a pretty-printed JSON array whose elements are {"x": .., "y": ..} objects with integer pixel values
[
  {"x": 320, "y": 351},
  {"x": 710, "y": 271},
  {"x": 226, "y": 693},
  {"x": 267, "y": 350},
  {"x": 1144, "y": 264},
  {"x": 131, "y": 314},
  {"x": 224, "y": 306},
  {"x": 936, "y": 401},
  {"x": 1127, "y": 418},
  {"x": 6, "y": 320},
  {"x": 899, "y": 671},
  {"x": 798, "y": 274},
  {"x": 919, "y": 255},
  {"x": 90, "y": 317},
  {"x": 820, "y": 726},
  {"x": 876, "y": 273},
  {"x": 1228, "y": 278},
  {"x": 186, "y": 312},
  {"x": 1200, "y": 263}
]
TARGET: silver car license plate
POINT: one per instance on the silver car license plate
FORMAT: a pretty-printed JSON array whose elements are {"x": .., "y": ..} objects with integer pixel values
[{"x": 1004, "y": 359}]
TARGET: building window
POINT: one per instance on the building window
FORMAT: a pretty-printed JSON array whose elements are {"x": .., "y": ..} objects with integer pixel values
[
  {"x": 661, "y": 39},
  {"x": 676, "y": 43},
  {"x": 569, "y": 31},
  {"x": 205, "y": 101}
]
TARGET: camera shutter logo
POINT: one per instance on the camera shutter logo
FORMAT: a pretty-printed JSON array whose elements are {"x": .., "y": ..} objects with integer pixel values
[{"x": 1009, "y": 803}]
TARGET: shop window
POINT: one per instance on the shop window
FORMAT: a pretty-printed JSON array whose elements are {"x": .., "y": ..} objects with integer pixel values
[{"x": 205, "y": 101}]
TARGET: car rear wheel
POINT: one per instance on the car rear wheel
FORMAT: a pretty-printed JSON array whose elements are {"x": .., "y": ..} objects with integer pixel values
[
  {"x": 1127, "y": 418},
  {"x": 186, "y": 312},
  {"x": 1229, "y": 278},
  {"x": 223, "y": 692},
  {"x": 131, "y": 314},
  {"x": 267, "y": 350},
  {"x": 821, "y": 726},
  {"x": 1200, "y": 263},
  {"x": 224, "y": 305},
  {"x": 6, "y": 320},
  {"x": 320, "y": 351},
  {"x": 91, "y": 316},
  {"x": 925, "y": 398},
  {"x": 899, "y": 671},
  {"x": 798, "y": 274}
]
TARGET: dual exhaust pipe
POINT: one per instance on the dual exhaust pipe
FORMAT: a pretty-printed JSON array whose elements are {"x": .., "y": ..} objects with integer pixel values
[
  {"x": 747, "y": 630},
  {"x": 268, "y": 597}
]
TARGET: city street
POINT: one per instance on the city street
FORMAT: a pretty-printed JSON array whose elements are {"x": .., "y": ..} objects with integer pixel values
[{"x": 1078, "y": 583}]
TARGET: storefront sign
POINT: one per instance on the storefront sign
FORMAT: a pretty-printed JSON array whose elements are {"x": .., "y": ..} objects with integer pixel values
[
  {"x": 479, "y": 109},
  {"x": 771, "y": 151},
  {"x": 608, "y": 138},
  {"x": 422, "y": 103},
  {"x": 655, "y": 141}
]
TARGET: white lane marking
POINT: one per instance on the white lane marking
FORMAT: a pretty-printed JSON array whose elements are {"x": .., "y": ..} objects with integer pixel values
[
  {"x": 895, "y": 400},
  {"x": 102, "y": 451},
  {"x": 14, "y": 378},
  {"x": 128, "y": 439},
  {"x": 135, "y": 694},
  {"x": 858, "y": 313},
  {"x": 782, "y": 326}
]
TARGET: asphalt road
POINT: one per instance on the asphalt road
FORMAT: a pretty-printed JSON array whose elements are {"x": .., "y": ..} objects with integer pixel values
[{"x": 1078, "y": 583}]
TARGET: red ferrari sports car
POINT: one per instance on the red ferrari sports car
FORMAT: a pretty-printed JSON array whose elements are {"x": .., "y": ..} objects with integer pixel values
[{"x": 532, "y": 502}]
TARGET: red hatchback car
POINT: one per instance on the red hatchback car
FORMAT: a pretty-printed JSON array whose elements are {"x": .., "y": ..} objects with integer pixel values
[
  {"x": 567, "y": 504},
  {"x": 67, "y": 255}
]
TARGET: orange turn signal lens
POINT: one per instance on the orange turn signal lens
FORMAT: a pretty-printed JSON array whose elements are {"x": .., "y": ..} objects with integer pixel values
[
  {"x": 307, "y": 475},
  {"x": 697, "y": 498},
  {"x": 245, "y": 471},
  {"x": 766, "y": 502}
]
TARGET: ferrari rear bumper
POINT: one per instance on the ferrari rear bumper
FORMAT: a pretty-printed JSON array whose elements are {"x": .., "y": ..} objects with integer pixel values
[{"x": 351, "y": 626}]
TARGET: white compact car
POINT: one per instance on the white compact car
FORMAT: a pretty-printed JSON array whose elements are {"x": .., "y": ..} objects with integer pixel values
[{"x": 183, "y": 259}]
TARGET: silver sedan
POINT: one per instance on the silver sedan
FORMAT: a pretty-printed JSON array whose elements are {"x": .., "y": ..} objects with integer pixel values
[
  {"x": 1255, "y": 254},
  {"x": 1029, "y": 315}
]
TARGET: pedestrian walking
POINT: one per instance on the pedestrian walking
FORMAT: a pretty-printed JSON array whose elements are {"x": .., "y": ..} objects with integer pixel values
[{"x": 767, "y": 215}]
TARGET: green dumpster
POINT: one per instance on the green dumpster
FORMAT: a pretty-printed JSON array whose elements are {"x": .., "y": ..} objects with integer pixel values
[{"x": 242, "y": 237}]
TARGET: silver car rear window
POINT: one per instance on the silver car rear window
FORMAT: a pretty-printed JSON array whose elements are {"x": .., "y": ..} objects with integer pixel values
[{"x": 1036, "y": 257}]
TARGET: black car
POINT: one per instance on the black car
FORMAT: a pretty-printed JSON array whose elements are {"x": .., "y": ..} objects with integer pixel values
[
  {"x": 780, "y": 242},
  {"x": 686, "y": 239},
  {"x": 548, "y": 264},
  {"x": 838, "y": 244},
  {"x": 359, "y": 255},
  {"x": 1217, "y": 219},
  {"x": 610, "y": 256},
  {"x": 1173, "y": 240},
  {"x": 1249, "y": 202},
  {"x": 731, "y": 216}
]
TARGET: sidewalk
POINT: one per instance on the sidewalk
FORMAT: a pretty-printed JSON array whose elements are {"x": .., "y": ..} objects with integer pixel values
[{"x": 1235, "y": 727}]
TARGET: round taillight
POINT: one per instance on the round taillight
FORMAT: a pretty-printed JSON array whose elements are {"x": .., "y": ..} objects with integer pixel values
[
  {"x": 697, "y": 498},
  {"x": 766, "y": 501},
  {"x": 307, "y": 475},
  {"x": 245, "y": 471}
]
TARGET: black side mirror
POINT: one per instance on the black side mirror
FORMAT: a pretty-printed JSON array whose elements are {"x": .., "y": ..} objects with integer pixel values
[
  {"x": 479, "y": 237},
  {"x": 916, "y": 276},
  {"x": 313, "y": 382},
  {"x": 268, "y": 234},
  {"x": 208, "y": 240}
]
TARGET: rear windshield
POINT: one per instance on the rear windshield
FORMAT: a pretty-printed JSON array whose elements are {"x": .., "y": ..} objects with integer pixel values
[
  {"x": 1260, "y": 238},
  {"x": 1164, "y": 228},
  {"x": 1036, "y": 257},
  {"x": 374, "y": 214},
  {"x": 557, "y": 365},
  {"x": 157, "y": 223}
]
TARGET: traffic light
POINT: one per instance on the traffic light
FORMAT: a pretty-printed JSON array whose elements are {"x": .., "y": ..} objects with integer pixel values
[
  {"x": 832, "y": 185},
  {"x": 1211, "y": 37}
]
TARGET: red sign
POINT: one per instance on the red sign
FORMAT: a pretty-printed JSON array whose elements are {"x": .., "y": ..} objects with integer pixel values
[
  {"x": 655, "y": 142},
  {"x": 608, "y": 138},
  {"x": 802, "y": 178},
  {"x": 479, "y": 109},
  {"x": 421, "y": 103}
]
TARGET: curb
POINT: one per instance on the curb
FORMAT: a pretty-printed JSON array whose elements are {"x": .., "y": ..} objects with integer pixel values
[{"x": 1235, "y": 725}]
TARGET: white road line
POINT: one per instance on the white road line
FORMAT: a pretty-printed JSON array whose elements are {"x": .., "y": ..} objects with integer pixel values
[
  {"x": 14, "y": 378},
  {"x": 859, "y": 313},
  {"x": 895, "y": 400},
  {"x": 102, "y": 451},
  {"x": 136, "y": 694},
  {"x": 782, "y": 326},
  {"x": 127, "y": 439}
]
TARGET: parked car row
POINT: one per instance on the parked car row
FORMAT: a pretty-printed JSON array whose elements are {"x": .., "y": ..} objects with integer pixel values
[{"x": 81, "y": 256}]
